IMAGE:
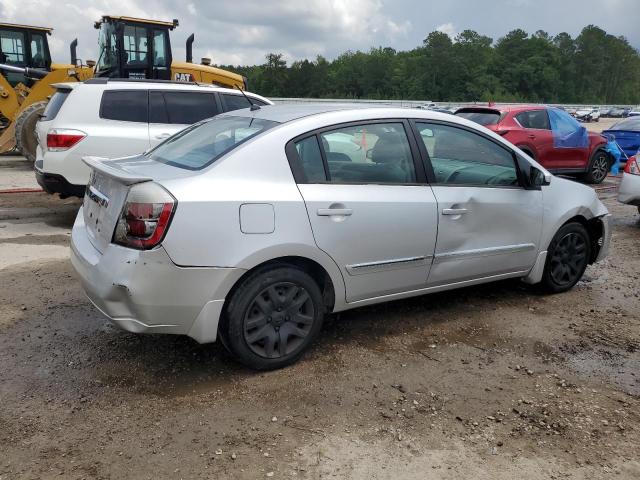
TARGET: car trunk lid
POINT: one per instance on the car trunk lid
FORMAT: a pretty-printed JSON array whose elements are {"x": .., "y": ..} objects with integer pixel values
[{"x": 105, "y": 195}]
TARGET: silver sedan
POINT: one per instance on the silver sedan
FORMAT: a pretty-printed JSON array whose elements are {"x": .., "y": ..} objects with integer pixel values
[
  {"x": 629, "y": 189},
  {"x": 252, "y": 226}
]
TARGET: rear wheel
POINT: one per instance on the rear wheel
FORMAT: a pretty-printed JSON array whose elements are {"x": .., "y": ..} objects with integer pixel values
[
  {"x": 26, "y": 138},
  {"x": 273, "y": 317},
  {"x": 598, "y": 167},
  {"x": 567, "y": 258}
]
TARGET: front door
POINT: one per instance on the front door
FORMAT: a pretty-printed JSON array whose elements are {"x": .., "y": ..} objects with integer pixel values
[
  {"x": 369, "y": 207},
  {"x": 488, "y": 225}
]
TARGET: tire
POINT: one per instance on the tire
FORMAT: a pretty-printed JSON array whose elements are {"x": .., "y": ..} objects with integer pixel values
[
  {"x": 598, "y": 168},
  {"x": 273, "y": 317},
  {"x": 26, "y": 138},
  {"x": 567, "y": 258}
]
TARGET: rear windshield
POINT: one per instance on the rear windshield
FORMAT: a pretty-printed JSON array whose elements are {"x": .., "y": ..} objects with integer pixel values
[
  {"x": 483, "y": 117},
  {"x": 202, "y": 144},
  {"x": 632, "y": 123},
  {"x": 55, "y": 104}
]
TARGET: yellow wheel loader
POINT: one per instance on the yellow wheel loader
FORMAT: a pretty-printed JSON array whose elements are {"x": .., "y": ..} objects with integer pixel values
[
  {"x": 26, "y": 79},
  {"x": 138, "y": 48}
]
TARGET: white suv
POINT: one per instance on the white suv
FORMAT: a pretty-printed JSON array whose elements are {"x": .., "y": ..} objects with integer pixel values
[{"x": 114, "y": 118}]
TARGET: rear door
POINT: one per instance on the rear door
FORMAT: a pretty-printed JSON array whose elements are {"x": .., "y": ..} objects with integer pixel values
[
  {"x": 369, "y": 206},
  {"x": 124, "y": 129},
  {"x": 489, "y": 225},
  {"x": 538, "y": 132},
  {"x": 172, "y": 111}
]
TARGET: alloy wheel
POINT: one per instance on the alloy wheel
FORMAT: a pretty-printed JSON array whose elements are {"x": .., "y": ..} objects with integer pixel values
[
  {"x": 568, "y": 259},
  {"x": 278, "y": 320},
  {"x": 600, "y": 167}
]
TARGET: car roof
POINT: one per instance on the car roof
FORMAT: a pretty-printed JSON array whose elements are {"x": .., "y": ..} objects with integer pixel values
[
  {"x": 283, "y": 113},
  {"x": 129, "y": 84},
  {"x": 502, "y": 108}
]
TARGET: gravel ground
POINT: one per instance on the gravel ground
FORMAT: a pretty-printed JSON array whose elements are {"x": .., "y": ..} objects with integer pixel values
[{"x": 489, "y": 382}]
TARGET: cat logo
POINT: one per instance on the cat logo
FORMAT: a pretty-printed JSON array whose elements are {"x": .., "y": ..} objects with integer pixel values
[{"x": 183, "y": 77}]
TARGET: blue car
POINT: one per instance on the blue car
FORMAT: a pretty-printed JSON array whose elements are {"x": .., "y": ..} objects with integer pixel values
[{"x": 627, "y": 135}]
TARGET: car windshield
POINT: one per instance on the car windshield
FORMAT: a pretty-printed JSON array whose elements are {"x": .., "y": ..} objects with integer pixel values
[
  {"x": 200, "y": 145},
  {"x": 632, "y": 123},
  {"x": 483, "y": 117}
]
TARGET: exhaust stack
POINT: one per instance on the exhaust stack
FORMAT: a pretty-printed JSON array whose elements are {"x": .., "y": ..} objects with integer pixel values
[
  {"x": 190, "y": 48},
  {"x": 74, "y": 56}
]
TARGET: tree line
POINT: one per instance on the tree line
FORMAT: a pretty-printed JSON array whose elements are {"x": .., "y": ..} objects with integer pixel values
[{"x": 595, "y": 67}]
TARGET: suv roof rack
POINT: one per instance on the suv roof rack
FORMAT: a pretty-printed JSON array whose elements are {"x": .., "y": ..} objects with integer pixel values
[{"x": 103, "y": 80}]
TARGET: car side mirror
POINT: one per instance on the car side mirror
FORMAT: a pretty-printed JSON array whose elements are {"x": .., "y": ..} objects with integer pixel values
[
  {"x": 369, "y": 154},
  {"x": 538, "y": 178}
]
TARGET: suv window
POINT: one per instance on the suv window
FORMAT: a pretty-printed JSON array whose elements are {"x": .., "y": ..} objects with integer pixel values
[
  {"x": 125, "y": 105},
  {"x": 55, "y": 104},
  {"x": 537, "y": 119},
  {"x": 236, "y": 102},
  {"x": 483, "y": 117},
  {"x": 183, "y": 108},
  {"x": 369, "y": 153},
  {"x": 461, "y": 157}
]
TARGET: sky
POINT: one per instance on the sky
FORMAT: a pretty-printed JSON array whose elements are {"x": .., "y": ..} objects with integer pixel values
[{"x": 242, "y": 32}]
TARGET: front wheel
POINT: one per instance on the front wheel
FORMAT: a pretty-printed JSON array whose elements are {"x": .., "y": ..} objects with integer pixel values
[
  {"x": 567, "y": 258},
  {"x": 598, "y": 167},
  {"x": 273, "y": 317}
]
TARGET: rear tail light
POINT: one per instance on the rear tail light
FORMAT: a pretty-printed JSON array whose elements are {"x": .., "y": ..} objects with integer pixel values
[
  {"x": 145, "y": 217},
  {"x": 632, "y": 166},
  {"x": 61, "y": 139}
]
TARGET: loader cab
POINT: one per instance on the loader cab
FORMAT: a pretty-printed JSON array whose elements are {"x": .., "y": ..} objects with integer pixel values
[
  {"x": 24, "y": 46},
  {"x": 134, "y": 48}
]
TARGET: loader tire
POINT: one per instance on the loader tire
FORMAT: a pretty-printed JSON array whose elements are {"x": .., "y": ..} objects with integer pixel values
[{"x": 26, "y": 138}]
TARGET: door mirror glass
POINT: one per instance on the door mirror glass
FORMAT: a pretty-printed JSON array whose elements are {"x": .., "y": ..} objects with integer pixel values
[{"x": 537, "y": 178}]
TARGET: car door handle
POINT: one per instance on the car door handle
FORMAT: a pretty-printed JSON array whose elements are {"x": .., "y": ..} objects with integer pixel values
[
  {"x": 454, "y": 211},
  {"x": 330, "y": 212},
  {"x": 531, "y": 135},
  {"x": 162, "y": 136}
]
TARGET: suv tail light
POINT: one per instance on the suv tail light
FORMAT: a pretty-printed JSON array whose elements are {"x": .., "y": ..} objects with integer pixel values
[
  {"x": 61, "y": 139},
  {"x": 632, "y": 166},
  {"x": 145, "y": 217}
]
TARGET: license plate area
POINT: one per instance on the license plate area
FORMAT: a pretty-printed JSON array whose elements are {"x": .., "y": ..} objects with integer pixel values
[{"x": 102, "y": 204}]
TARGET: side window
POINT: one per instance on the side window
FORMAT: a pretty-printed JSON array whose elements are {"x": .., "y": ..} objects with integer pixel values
[
  {"x": 125, "y": 105},
  {"x": 12, "y": 45},
  {"x": 38, "y": 53},
  {"x": 461, "y": 157},
  {"x": 537, "y": 119},
  {"x": 311, "y": 159},
  {"x": 135, "y": 45},
  {"x": 186, "y": 108},
  {"x": 369, "y": 153},
  {"x": 157, "y": 108},
  {"x": 234, "y": 102},
  {"x": 159, "y": 48}
]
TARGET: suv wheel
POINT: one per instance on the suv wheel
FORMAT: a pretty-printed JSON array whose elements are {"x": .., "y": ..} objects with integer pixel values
[
  {"x": 273, "y": 317},
  {"x": 598, "y": 167},
  {"x": 567, "y": 258}
]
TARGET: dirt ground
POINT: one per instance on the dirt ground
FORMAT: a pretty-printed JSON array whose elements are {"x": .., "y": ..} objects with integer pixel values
[{"x": 489, "y": 382}]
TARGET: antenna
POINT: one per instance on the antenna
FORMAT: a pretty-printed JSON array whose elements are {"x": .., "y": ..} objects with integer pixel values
[{"x": 253, "y": 107}]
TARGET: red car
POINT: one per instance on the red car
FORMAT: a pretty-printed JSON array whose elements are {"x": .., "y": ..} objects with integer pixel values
[{"x": 529, "y": 128}]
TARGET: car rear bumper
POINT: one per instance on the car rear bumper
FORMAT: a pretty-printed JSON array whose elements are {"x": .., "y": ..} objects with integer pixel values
[
  {"x": 629, "y": 189},
  {"x": 53, "y": 183},
  {"x": 145, "y": 292}
]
